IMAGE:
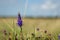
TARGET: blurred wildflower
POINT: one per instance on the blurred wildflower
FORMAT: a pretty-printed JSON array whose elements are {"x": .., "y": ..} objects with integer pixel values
[
  {"x": 46, "y": 38},
  {"x": 45, "y": 31},
  {"x": 16, "y": 38},
  {"x": 28, "y": 38},
  {"x": 37, "y": 29},
  {"x": 59, "y": 37},
  {"x": 37, "y": 38},
  {"x": 5, "y": 33},
  {"x": 10, "y": 36},
  {"x": 50, "y": 36},
  {"x": 33, "y": 35},
  {"x": 19, "y": 20},
  {"x": 21, "y": 36}
]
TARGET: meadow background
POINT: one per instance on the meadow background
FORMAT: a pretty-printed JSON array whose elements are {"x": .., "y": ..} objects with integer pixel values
[{"x": 30, "y": 25}]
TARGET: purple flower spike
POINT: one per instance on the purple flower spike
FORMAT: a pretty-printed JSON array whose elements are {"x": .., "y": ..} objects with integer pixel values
[
  {"x": 19, "y": 16},
  {"x": 19, "y": 20}
]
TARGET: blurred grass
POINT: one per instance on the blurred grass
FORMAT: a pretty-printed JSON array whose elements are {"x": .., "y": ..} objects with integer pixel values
[{"x": 29, "y": 26}]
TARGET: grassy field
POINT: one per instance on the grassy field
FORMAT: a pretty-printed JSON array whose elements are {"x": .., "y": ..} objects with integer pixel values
[{"x": 29, "y": 26}]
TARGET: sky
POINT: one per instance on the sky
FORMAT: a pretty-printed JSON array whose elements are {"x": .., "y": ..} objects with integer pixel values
[{"x": 30, "y": 7}]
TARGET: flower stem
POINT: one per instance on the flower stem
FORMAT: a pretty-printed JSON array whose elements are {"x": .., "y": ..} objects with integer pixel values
[{"x": 21, "y": 33}]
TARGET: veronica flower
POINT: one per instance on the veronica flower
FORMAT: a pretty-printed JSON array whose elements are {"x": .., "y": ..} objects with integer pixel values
[
  {"x": 19, "y": 20},
  {"x": 20, "y": 24}
]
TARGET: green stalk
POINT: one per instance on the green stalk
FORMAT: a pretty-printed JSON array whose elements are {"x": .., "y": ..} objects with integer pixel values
[
  {"x": 14, "y": 30},
  {"x": 34, "y": 32},
  {"x": 22, "y": 33},
  {"x": 21, "y": 29}
]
